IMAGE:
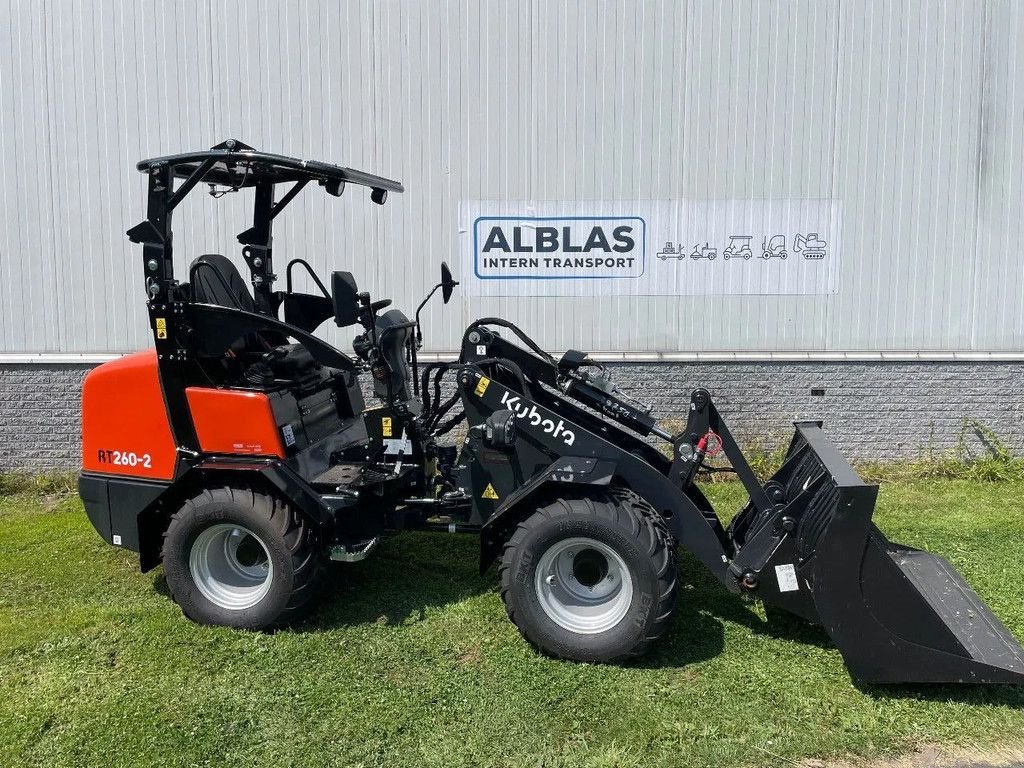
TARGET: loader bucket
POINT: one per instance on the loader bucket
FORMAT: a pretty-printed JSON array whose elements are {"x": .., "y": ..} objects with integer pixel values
[{"x": 897, "y": 614}]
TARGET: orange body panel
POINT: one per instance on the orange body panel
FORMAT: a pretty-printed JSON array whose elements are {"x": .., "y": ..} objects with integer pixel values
[
  {"x": 234, "y": 422},
  {"x": 125, "y": 430}
]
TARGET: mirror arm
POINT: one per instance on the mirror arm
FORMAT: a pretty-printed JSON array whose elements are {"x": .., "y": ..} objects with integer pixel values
[
  {"x": 366, "y": 317},
  {"x": 419, "y": 331}
]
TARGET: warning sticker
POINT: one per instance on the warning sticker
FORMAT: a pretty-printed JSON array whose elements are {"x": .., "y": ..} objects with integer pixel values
[
  {"x": 161, "y": 327},
  {"x": 289, "y": 435},
  {"x": 489, "y": 492},
  {"x": 481, "y": 387},
  {"x": 397, "y": 447},
  {"x": 385, "y": 426},
  {"x": 786, "y": 576}
]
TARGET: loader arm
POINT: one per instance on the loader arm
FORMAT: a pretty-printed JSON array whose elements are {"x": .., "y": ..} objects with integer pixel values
[
  {"x": 543, "y": 436},
  {"x": 804, "y": 542}
]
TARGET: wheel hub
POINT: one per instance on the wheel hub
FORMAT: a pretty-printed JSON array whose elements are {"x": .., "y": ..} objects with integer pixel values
[
  {"x": 583, "y": 585},
  {"x": 231, "y": 566},
  {"x": 589, "y": 567}
]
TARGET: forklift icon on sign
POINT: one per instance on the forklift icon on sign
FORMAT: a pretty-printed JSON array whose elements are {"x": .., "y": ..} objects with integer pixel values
[{"x": 774, "y": 248}]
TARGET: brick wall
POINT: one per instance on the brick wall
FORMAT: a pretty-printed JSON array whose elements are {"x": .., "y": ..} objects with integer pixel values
[
  {"x": 871, "y": 410},
  {"x": 40, "y": 407}
]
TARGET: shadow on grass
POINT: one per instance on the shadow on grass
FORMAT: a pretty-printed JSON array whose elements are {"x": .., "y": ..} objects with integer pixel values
[
  {"x": 160, "y": 585},
  {"x": 413, "y": 573},
  {"x": 738, "y": 610},
  {"x": 408, "y": 575},
  {"x": 1011, "y": 696}
]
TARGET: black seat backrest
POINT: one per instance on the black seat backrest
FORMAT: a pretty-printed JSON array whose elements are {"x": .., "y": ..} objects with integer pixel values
[
  {"x": 216, "y": 280},
  {"x": 392, "y": 338}
]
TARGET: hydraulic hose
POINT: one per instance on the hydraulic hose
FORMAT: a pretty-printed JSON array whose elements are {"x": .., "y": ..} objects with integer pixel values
[
  {"x": 442, "y": 411},
  {"x": 425, "y": 389},
  {"x": 511, "y": 367},
  {"x": 450, "y": 424},
  {"x": 503, "y": 323}
]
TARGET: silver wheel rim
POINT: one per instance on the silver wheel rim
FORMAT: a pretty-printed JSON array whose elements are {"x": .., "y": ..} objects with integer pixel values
[
  {"x": 584, "y": 585},
  {"x": 231, "y": 566}
]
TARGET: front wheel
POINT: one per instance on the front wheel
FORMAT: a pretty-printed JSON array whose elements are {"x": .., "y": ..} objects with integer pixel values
[
  {"x": 591, "y": 578},
  {"x": 240, "y": 558}
]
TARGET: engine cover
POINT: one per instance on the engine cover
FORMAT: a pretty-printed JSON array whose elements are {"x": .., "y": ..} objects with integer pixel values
[{"x": 125, "y": 430}]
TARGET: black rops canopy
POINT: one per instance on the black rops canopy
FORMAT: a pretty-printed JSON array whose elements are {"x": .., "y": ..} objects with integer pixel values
[{"x": 235, "y": 165}]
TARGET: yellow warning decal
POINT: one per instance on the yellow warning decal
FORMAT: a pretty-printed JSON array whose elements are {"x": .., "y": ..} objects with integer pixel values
[
  {"x": 489, "y": 493},
  {"x": 481, "y": 387},
  {"x": 161, "y": 327},
  {"x": 385, "y": 426}
]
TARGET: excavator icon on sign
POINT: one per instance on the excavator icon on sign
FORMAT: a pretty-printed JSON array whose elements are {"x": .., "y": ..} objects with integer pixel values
[{"x": 811, "y": 247}]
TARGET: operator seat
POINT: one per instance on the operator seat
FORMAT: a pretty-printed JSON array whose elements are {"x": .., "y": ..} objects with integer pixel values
[
  {"x": 265, "y": 357},
  {"x": 216, "y": 280}
]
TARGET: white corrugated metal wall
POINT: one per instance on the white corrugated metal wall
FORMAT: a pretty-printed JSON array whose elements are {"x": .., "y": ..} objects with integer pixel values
[{"x": 906, "y": 112}]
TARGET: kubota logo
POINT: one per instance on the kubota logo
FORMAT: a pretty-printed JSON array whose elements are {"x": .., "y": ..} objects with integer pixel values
[{"x": 537, "y": 419}]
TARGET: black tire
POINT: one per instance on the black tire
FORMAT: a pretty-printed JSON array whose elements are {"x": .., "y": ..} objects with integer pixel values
[
  {"x": 622, "y": 521},
  {"x": 289, "y": 546}
]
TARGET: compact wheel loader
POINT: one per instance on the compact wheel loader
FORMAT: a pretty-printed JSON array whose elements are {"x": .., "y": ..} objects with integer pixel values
[{"x": 239, "y": 454}]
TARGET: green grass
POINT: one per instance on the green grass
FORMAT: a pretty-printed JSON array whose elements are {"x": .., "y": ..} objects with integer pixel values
[{"x": 411, "y": 661}]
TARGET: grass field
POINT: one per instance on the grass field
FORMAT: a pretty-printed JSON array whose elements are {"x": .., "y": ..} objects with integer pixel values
[{"x": 411, "y": 661}]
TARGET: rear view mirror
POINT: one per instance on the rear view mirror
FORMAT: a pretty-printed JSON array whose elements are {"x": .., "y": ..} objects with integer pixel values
[
  {"x": 447, "y": 282},
  {"x": 346, "y": 301}
]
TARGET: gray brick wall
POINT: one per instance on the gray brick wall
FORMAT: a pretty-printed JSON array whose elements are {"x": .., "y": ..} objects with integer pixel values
[
  {"x": 871, "y": 410},
  {"x": 40, "y": 409},
  {"x": 883, "y": 410}
]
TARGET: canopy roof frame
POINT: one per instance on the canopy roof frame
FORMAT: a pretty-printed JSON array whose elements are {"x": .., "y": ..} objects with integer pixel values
[{"x": 234, "y": 165}]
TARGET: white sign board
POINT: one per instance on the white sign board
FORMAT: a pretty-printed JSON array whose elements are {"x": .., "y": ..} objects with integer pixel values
[{"x": 649, "y": 247}]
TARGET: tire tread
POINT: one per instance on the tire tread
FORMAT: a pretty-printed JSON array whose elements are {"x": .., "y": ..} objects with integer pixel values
[
  {"x": 627, "y": 511},
  {"x": 300, "y": 540}
]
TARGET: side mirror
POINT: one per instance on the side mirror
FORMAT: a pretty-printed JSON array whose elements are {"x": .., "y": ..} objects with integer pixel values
[
  {"x": 346, "y": 299},
  {"x": 447, "y": 285},
  {"x": 447, "y": 282}
]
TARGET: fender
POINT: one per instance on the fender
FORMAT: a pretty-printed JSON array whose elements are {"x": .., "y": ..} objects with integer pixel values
[
  {"x": 280, "y": 476},
  {"x": 139, "y": 512},
  {"x": 688, "y": 517},
  {"x": 565, "y": 471}
]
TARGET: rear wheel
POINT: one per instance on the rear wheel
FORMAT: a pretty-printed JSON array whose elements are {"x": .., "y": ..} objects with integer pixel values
[
  {"x": 592, "y": 578},
  {"x": 240, "y": 558}
]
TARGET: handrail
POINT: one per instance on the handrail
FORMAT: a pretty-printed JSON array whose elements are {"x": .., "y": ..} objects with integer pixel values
[{"x": 309, "y": 269}]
